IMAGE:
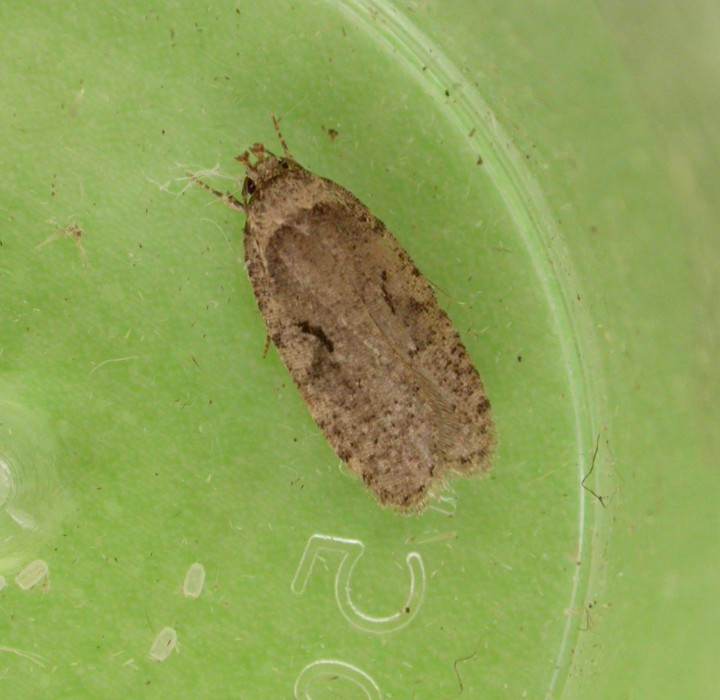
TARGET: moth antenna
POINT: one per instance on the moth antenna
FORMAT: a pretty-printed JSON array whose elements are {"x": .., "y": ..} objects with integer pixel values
[
  {"x": 225, "y": 197},
  {"x": 281, "y": 137}
]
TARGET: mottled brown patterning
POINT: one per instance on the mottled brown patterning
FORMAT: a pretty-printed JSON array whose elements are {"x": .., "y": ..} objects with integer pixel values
[{"x": 378, "y": 362}]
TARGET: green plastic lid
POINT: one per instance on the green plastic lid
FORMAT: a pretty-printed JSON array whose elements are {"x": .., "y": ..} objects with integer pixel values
[{"x": 172, "y": 522}]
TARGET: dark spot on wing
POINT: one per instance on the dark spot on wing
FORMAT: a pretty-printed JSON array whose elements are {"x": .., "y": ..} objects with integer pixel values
[{"x": 318, "y": 332}]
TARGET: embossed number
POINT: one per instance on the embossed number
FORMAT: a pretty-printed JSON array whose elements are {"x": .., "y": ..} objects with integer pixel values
[{"x": 351, "y": 551}]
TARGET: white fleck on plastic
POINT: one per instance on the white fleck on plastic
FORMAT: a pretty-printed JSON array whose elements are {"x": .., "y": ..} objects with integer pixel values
[
  {"x": 25, "y": 520},
  {"x": 164, "y": 645},
  {"x": 194, "y": 581},
  {"x": 6, "y": 481},
  {"x": 35, "y": 572}
]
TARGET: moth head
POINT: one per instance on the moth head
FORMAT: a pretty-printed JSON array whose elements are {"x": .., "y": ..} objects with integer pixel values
[{"x": 265, "y": 167}]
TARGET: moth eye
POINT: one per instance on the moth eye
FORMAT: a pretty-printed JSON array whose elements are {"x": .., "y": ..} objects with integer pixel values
[
  {"x": 249, "y": 186},
  {"x": 285, "y": 164}
]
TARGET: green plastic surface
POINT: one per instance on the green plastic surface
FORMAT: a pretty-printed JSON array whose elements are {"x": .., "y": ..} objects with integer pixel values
[{"x": 553, "y": 170}]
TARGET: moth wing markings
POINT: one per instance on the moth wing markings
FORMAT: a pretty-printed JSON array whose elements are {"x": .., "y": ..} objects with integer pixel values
[
  {"x": 468, "y": 436},
  {"x": 386, "y": 253},
  {"x": 304, "y": 273},
  {"x": 388, "y": 327},
  {"x": 400, "y": 269}
]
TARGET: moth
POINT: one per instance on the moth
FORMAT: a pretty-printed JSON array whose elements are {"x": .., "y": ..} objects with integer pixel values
[{"x": 382, "y": 370}]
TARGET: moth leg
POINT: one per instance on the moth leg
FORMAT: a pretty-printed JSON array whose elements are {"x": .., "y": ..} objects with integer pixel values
[
  {"x": 267, "y": 345},
  {"x": 226, "y": 197}
]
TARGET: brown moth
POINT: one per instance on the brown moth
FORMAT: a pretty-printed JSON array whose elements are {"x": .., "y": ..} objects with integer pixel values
[{"x": 379, "y": 364}]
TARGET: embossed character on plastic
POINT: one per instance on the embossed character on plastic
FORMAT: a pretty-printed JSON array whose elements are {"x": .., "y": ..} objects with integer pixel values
[{"x": 379, "y": 364}]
